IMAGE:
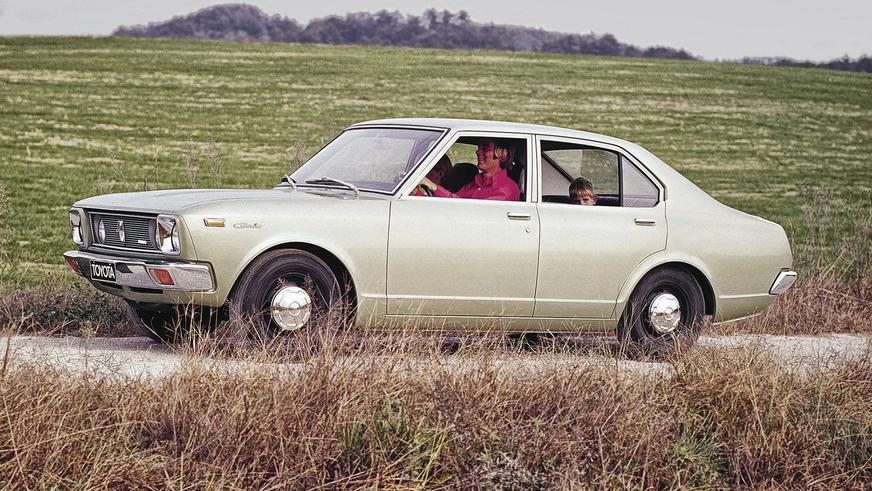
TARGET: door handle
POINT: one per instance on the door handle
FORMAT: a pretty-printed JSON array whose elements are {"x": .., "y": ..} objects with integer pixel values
[
  {"x": 513, "y": 215},
  {"x": 645, "y": 222}
]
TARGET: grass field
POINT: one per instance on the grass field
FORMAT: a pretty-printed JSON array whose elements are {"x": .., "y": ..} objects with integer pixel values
[{"x": 87, "y": 116}]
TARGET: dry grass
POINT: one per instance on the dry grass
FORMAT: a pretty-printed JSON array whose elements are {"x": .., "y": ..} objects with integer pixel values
[
  {"x": 59, "y": 308},
  {"x": 430, "y": 419},
  {"x": 818, "y": 303}
]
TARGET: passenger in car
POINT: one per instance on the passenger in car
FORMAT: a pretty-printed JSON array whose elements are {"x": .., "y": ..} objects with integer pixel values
[
  {"x": 435, "y": 175},
  {"x": 492, "y": 181},
  {"x": 581, "y": 192}
]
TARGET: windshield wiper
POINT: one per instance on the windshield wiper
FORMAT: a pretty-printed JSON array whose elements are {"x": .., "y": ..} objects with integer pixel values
[
  {"x": 289, "y": 181},
  {"x": 330, "y": 180}
]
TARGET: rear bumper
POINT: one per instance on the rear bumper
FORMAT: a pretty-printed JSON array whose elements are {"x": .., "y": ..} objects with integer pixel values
[
  {"x": 143, "y": 274},
  {"x": 782, "y": 282}
]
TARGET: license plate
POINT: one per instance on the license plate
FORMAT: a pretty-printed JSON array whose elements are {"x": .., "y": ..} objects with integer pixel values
[{"x": 102, "y": 271}]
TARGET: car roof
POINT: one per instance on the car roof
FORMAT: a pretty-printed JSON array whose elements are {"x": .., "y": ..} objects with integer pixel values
[{"x": 488, "y": 125}]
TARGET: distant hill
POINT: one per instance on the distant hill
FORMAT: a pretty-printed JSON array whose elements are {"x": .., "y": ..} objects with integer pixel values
[{"x": 433, "y": 29}]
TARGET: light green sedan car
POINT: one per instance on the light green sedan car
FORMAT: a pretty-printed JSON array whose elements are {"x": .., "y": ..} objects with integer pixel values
[{"x": 502, "y": 245}]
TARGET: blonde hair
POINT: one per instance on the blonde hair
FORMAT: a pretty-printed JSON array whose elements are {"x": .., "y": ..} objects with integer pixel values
[{"x": 502, "y": 152}]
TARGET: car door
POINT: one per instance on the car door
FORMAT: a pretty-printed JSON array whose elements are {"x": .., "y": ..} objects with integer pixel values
[
  {"x": 587, "y": 252},
  {"x": 462, "y": 257}
]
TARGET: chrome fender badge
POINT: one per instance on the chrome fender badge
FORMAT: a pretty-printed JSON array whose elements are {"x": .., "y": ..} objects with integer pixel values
[{"x": 244, "y": 225}]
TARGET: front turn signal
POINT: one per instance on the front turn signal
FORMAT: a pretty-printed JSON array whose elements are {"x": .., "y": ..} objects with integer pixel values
[{"x": 162, "y": 276}]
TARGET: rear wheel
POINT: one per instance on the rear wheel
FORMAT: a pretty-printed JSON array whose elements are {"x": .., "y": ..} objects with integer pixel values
[
  {"x": 286, "y": 292},
  {"x": 664, "y": 314}
]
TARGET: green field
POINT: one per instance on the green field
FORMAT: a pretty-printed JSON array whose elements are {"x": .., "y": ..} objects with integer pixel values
[{"x": 88, "y": 116}]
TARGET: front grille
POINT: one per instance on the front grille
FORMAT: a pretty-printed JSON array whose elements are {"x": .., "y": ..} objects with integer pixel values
[{"x": 138, "y": 231}]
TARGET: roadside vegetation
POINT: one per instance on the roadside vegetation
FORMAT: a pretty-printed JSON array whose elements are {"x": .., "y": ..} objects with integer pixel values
[{"x": 393, "y": 416}]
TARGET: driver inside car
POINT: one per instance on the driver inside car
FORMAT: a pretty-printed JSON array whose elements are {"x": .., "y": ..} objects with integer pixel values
[{"x": 492, "y": 181}]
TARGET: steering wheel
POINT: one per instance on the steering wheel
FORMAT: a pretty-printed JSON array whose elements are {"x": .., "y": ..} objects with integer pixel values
[{"x": 425, "y": 190}]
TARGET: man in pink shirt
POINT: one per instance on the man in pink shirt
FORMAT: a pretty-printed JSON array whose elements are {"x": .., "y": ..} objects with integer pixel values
[{"x": 492, "y": 180}]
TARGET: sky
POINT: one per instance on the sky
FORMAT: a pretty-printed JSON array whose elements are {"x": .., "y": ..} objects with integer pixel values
[{"x": 801, "y": 29}]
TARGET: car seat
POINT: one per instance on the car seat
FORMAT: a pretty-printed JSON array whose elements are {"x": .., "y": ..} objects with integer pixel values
[
  {"x": 518, "y": 173},
  {"x": 608, "y": 201},
  {"x": 459, "y": 175}
]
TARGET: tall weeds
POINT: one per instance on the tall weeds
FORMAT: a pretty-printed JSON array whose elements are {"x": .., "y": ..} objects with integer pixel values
[
  {"x": 4, "y": 210},
  {"x": 444, "y": 421},
  {"x": 61, "y": 308}
]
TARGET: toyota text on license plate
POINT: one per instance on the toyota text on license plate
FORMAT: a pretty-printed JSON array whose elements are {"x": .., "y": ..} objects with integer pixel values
[{"x": 102, "y": 271}]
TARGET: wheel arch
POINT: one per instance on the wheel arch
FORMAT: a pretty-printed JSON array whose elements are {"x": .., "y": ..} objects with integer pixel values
[
  {"x": 337, "y": 267},
  {"x": 708, "y": 291}
]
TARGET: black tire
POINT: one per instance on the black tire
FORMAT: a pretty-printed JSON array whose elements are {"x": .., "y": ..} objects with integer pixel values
[
  {"x": 169, "y": 323},
  {"x": 638, "y": 336},
  {"x": 253, "y": 294}
]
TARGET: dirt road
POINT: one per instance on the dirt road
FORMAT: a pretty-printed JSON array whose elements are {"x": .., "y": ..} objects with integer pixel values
[{"x": 141, "y": 357}]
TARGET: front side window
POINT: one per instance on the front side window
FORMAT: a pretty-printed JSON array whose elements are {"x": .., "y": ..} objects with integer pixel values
[
  {"x": 479, "y": 167},
  {"x": 579, "y": 174},
  {"x": 376, "y": 159}
]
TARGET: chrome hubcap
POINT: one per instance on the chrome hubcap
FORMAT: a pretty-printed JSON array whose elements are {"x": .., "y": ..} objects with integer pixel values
[
  {"x": 664, "y": 314},
  {"x": 290, "y": 308}
]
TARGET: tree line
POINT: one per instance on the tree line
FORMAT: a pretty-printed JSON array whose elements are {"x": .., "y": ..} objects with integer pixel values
[
  {"x": 861, "y": 64},
  {"x": 432, "y": 29}
]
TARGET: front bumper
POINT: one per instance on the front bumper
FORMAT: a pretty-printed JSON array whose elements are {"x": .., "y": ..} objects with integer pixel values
[{"x": 145, "y": 274}]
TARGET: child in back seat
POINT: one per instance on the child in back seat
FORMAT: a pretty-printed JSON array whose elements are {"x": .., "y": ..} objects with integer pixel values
[{"x": 581, "y": 192}]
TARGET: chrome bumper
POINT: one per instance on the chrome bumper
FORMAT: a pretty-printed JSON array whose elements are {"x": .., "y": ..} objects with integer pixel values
[
  {"x": 139, "y": 273},
  {"x": 782, "y": 282}
]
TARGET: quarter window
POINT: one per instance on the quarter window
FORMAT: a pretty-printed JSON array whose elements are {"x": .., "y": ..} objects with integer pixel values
[{"x": 639, "y": 191}]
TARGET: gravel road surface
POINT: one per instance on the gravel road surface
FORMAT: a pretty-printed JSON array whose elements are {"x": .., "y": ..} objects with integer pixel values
[{"x": 141, "y": 357}]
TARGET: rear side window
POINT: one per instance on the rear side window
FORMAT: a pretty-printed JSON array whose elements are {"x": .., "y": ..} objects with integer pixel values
[
  {"x": 600, "y": 166},
  {"x": 638, "y": 190},
  {"x": 613, "y": 178}
]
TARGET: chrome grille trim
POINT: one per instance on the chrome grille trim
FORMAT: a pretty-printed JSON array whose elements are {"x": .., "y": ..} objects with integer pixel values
[{"x": 138, "y": 231}]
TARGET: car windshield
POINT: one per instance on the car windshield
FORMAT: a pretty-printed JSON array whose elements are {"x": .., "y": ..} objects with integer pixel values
[{"x": 374, "y": 159}]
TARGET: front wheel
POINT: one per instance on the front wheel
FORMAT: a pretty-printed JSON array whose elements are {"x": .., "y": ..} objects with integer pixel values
[
  {"x": 286, "y": 291},
  {"x": 664, "y": 315}
]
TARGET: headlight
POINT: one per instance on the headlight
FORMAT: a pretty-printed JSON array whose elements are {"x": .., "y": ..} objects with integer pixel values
[
  {"x": 166, "y": 234},
  {"x": 76, "y": 227},
  {"x": 101, "y": 231}
]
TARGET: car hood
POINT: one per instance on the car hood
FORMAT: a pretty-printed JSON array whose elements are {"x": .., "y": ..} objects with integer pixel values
[{"x": 180, "y": 200}]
